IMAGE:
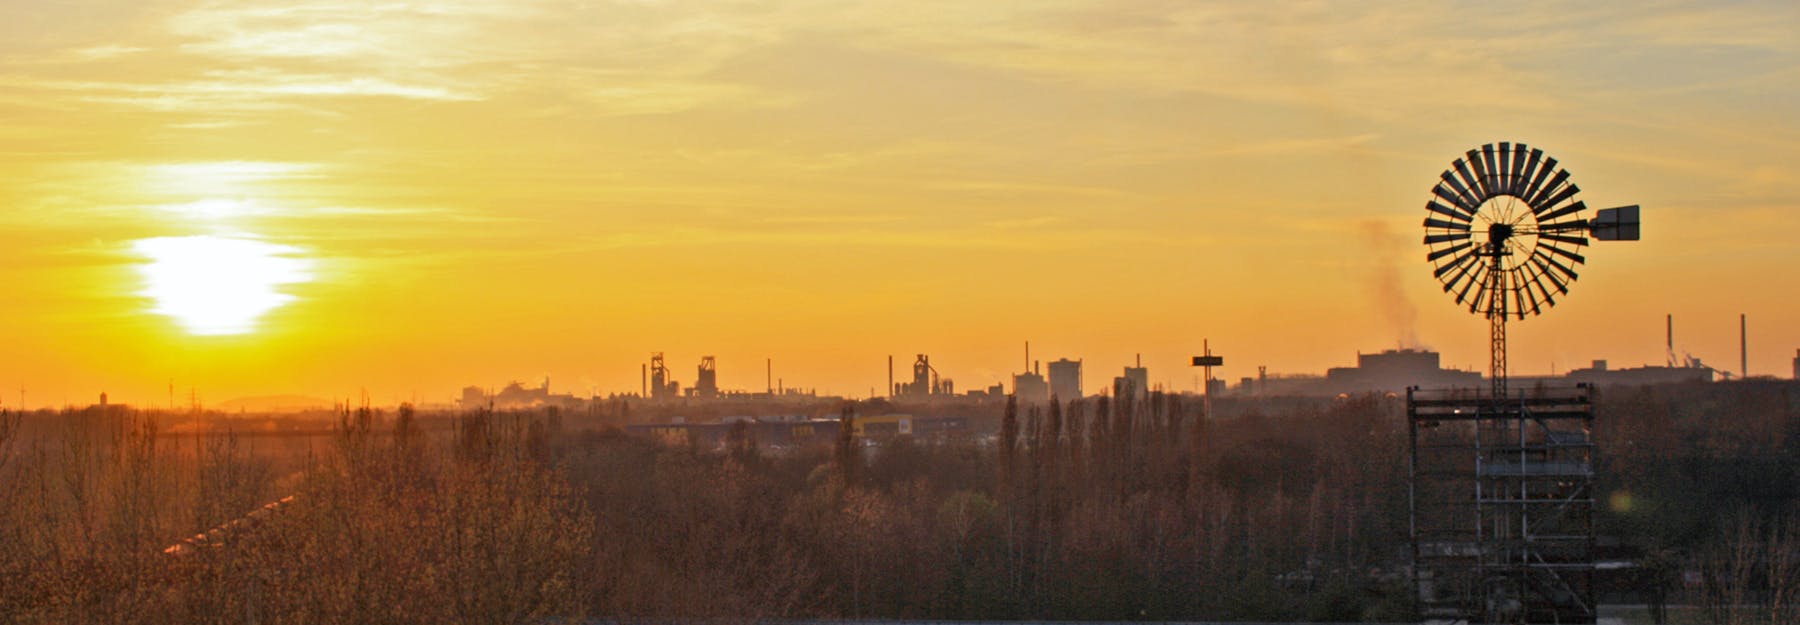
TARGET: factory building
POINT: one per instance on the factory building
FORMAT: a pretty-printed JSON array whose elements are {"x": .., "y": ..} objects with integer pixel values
[
  {"x": 1394, "y": 371},
  {"x": 1065, "y": 380},
  {"x": 1030, "y": 388},
  {"x": 706, "y": 379},
  {"x": 661, "y": 384},
  {"x": 1600, "y": 375},
  {"x": 888, "y": 426},
  {"x": 515, "y": 396},
  {"x": 925, "y": 382},
  {"x": 1139, "y": 377}
]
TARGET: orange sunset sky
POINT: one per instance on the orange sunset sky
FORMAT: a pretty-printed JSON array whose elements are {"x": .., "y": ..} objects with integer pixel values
[{"x": 325, "y": 196}]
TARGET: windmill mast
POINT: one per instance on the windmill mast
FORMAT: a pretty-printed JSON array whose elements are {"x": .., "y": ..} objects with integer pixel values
[{"x": 1497, "y": 317}]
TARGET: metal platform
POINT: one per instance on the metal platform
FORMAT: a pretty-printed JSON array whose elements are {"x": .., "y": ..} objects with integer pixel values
[{"x": 1502, "y": 505}]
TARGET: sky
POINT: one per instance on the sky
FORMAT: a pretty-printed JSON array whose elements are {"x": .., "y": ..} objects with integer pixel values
[{"x": 328, "y": 197}]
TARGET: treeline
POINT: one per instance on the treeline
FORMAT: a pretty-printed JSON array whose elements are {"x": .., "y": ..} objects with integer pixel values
[
  {"x": 1098, "y": 509},
  {"x": 1701, "y": 485},
  {"x": 1105, "y": 510}
]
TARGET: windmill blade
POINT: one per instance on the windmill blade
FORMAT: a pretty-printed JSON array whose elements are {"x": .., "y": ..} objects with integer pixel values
[
  {"x": 1448, "y": 251},
  {"x": 1454, "y": 199},
  {"x": 1518, "y": 168},
  {"x": 1565, "y": 211},
  {"x": 1503, "y": 159},
  {"x": 1554, "y": 183},
  {"x": 1469, "y": 179},
  {"x": 1447, "y": 237},
  {"x": 1433, "y": 206},
  {"x": 1557, "y": 198},
  {"x": 1460, "y": 275},
  {"x": 1563, "y": 238},
  {"x": 1483, "y": 177},
  {"x": 1546, "y": 261},
  {"x": 1539, "y": 275},
  {"x": 1573, "y": 224},
  {"x": 1452, "y": 265},
  {"x": 1518, "y": 293},
  {"x": 1531, "y": 169},
  {"x": 1537, "y": 182},
  {"x": 1447, "y": 225},
  {"x": 1528, "y": 282},
  {"x": 1468, "y": 196},
  {"x": 1542, "y": 292},
  {"x": 1474, "y": 279},
  {"x": 1577, "y": 258},
  {"x": 1494, "y": 185}
]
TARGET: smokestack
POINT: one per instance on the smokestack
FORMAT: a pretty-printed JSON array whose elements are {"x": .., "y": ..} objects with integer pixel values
[
  {"x": 890, "y": 388},
  {"x": 1028, "y": 356},
  {"x": 1743, "y": 346},
  {"x": 1671, "y": 352},
  {"x": 644, "y": 389},
  {"x": 769, "y": 365}
]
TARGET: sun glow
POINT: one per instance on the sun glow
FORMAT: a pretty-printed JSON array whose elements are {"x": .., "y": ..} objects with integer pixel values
[{"x": 217, "y": 285}]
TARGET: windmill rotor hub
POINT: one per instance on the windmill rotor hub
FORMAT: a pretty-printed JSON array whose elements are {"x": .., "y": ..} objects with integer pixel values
[{"x": 1497, "y": 236}]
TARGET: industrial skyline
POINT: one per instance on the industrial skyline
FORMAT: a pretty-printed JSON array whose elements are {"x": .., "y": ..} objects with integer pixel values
[
  {"x": 660, "y": 377},
  {"x": 1387, "y": 370}
]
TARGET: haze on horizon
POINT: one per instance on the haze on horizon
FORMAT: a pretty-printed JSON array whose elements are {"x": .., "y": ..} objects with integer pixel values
[{"x": 323, "y": 196}]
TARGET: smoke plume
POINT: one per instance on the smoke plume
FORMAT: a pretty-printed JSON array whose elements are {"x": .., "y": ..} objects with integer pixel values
[{"x": 1384, "y": 250}]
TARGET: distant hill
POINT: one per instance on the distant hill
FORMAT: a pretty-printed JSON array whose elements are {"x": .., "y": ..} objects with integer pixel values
[{"x": 274, "y": 403}]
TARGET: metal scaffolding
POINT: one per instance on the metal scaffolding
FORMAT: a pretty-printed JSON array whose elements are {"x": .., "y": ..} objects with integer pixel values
[{"x": 1502, "y": 504}]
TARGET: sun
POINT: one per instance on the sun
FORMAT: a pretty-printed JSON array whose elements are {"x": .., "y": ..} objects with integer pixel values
[{"x": 218, "y": 284}]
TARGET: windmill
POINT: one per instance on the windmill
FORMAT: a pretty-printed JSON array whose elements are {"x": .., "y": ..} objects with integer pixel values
[
  {"x": 1501, "y": 487},
  {"x": 1505, "y": 232}
]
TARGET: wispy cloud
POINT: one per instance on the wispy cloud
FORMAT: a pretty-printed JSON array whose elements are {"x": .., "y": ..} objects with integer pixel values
[{"x": 239, "y": 90}]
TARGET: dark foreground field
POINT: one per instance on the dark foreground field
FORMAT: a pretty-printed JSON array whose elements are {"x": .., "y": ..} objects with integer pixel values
[{"x": 1093, "y": 511}]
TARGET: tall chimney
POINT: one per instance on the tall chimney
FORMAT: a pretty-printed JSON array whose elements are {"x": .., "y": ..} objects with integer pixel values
[
  {"x": 890, "y": 388},
  {"x": 1671, "y": 352},
  {"x": 1743, "y": 346}
]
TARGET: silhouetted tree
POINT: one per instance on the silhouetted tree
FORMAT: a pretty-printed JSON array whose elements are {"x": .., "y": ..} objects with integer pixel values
[{"x": 846, "y": 458}]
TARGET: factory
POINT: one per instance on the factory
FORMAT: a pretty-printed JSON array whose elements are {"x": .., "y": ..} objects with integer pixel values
[
  {"x": 1393, "y": 371},
  {"x": 1065, "y": 380},
  {"x": 515, "y": 396},
  {"x": 925, "y": 382},
  {"x": 1135, "y": 383},
  {"x": 1600, "y": 375}
]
